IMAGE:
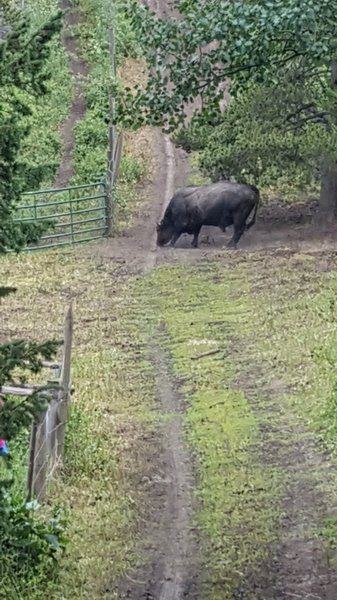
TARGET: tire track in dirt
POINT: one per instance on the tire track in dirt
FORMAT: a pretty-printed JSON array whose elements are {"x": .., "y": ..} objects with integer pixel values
[
  {"x": 172, "y": 570},
  {"x": 176, "y": 574},
  {"x": 173, "y": 573},
  {"x": 79, "y": 70},
  {"x": 172, "y": 553},
  {"x": 298, "y": 566}
]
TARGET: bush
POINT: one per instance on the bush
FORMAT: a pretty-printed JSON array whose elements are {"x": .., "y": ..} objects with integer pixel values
[
  {"x": 28, "y": 543},
  {"x": 30, "y": 547}
]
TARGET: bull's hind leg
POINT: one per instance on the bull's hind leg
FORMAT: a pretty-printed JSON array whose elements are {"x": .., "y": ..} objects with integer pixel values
[
  {"x": 239, "y": 228},
  {"x": 238, "y": 232}
]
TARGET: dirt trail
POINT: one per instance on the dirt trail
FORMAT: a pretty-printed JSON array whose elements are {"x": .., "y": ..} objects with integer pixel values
[
  {"x": 299, "y": 564},
  {"x": 172, "y": 554},
  {"x": 172, "y": 570},
  {"x": 79, "y": 70}
]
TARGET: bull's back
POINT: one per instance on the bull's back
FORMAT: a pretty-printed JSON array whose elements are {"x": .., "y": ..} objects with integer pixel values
[
  {"x": 218, "y": 203},
  {"x": 213, "y": 203},
  {"x": 225, "y": 193}
]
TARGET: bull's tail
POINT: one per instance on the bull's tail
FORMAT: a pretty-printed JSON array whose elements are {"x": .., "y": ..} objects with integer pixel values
[{"x": 253, "y": 219}]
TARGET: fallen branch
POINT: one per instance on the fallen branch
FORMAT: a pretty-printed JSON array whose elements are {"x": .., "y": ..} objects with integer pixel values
[{"x": 208, "y": 353}]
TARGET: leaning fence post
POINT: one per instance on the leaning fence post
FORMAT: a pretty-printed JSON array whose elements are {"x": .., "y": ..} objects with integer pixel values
[
  {"x": 117, "y": 157},
  {"x": 31, "y": 465},
  {"x": 108, "y": 209},
  {"x": 111, "y": 143},
  {"x": 40, "y": 460},
  {"x": 65, "y": 382}
]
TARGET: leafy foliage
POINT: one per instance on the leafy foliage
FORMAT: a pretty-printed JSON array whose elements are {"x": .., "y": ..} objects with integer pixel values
[
  {"x": 29, "y": 546},
  {"x": 264, "y": 136},
  {"x": 190, "y": 57},
  {"x": 91, "y": 133},
  {"x": 24, "y": 53},
  {"x": 280, "y": 58}
]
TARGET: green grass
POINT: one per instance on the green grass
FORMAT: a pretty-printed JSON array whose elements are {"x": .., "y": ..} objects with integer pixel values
[
  {"x": 238, "y": 495},
  {"x": 297, "y": 316},
  {"x": 91, "y": 133},
  {"x": 111, "y": 434},
  {"x": 274, "y": 320},
  {"x": 42, "y": 150}
]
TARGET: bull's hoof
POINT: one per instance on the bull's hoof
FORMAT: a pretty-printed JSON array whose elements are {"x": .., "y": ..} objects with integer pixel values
[
  {"x": 231, "y": 246},
  {"x": 195, "y": 246}
]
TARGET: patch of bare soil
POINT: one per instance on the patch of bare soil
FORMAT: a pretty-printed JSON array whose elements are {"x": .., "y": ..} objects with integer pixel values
[
  {"x": 79, "y": 70},
  {"x": 280, "y": 229},
  {"x": 135, "y": 248}
]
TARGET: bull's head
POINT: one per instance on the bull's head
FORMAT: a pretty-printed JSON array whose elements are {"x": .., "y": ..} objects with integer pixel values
[{"x": 164, "y": 233}]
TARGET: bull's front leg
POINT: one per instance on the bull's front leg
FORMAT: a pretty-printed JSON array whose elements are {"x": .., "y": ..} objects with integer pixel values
[
  {"x": 175, "y": 238},
  {"x": 195, "y": 237}
]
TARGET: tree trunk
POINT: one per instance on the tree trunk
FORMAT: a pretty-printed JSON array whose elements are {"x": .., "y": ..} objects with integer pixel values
[{"x": 327, "y": 207}]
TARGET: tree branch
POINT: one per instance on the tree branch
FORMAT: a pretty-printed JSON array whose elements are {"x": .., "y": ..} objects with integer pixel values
[{"x": 313, "y": 118}]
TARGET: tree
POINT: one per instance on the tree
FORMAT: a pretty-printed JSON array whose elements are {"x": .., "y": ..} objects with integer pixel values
[
  {"x": 24, "y": 53},
  {"x": 254, "y": 42},
  {"x": 28, "y": 544},
  {"x": 268, "y": 134}
]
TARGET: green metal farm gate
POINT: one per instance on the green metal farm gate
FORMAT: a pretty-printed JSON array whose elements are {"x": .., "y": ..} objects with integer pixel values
[{"x": 78, "y": 214}]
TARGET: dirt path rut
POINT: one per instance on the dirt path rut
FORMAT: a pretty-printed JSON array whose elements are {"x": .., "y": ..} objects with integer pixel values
[
  {"x": 79, "y": 70},
  {"x": 172, "y": 553}
]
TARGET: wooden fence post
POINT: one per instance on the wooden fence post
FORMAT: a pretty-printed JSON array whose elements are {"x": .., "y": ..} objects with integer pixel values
[
  {"x": 111, "y": 143},
  {"x": 117, "y": 158},
  {"x": 52, "y": 426},
  {"x": 31, "y": 465},
  {"x": 47, "y": 435},
  {"x": 40, "y": 461},
  {"x": 65, "y": 382}
]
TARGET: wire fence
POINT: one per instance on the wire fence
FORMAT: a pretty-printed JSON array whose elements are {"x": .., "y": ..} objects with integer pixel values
[{"x": 47, "y": 438}]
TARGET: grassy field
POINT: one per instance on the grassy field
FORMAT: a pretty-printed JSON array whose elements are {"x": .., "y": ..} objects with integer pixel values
[
  {"x": 111, "y": 427},
  {"x": 273, "y": 320},
  {"x": 108, "y": 452},
  {"x": 271, "y": 387},
  {"x": 272, "y": 384}
]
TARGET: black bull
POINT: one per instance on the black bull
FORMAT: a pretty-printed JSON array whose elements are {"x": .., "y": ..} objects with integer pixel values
[{"x": 219, "y": 204}]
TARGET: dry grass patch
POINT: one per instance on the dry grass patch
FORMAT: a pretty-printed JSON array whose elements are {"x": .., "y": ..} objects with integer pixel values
[{"x": 110, "y": 437}]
